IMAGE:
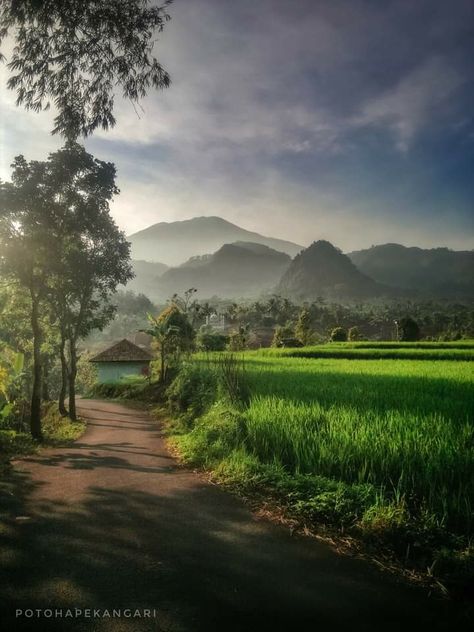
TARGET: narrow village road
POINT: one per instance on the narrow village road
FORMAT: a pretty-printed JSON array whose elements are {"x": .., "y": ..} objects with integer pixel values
[{"x": 113, "y": 522}]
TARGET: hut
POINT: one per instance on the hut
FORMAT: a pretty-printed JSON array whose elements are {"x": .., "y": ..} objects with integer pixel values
[{"x": 122, "y": 359}]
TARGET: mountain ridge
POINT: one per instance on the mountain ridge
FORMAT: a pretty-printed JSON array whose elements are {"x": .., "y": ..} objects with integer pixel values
[
  {"x": 173, "y": 243},
  {"x": 324, "y": 270},
  {"x": 437, "y": 272},
  {"x": 235, "y": 270}
]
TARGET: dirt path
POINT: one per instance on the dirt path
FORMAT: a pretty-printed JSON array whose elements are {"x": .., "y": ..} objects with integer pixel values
[{"x": 113, "y": 522}]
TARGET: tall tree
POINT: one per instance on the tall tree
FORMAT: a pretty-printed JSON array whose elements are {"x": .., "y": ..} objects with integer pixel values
[
  {"x": 26, "y": 221},
  {"x": 59, "y": 241},
  {"x": 75, "y": 55},
  {"x": 303, "y": 328},
  {"x": 90, "y": 256},
  {"x": 88, "y": 278}
]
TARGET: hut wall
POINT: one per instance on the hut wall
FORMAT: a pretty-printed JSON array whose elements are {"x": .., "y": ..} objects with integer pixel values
[{"x": 110, "y": 372}]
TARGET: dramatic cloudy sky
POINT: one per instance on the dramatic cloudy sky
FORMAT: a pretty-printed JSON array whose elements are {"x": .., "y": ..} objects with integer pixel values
[{"x": 351, "y": 120}]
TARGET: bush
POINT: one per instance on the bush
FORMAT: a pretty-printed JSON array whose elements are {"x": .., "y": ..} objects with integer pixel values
[
  {"x": 131, "y": 387},
  {"x": 303, "y": 329},
  {"x": 239, "y": 340},
  {"x": 408, "y": 329},
  {"x": 353, "y": 334},
  {"x": 283, "y": 335},
  {"x": 193, "y": 391},
  {"x": 57, "y": 429},
  {"x": 86, "y": 377},
  {"x": 339, "y": 334},
  {"x": 207, "y": 340},
  {"x": 12, "y": 442}
]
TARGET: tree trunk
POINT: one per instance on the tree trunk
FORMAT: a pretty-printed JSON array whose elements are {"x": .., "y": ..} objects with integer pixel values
[
  {"x": 35, "y": 414},
  {"x": 64, "y": 379},
  {"x": 45, "y": 382},
  {"x": 72, "y": 379}
]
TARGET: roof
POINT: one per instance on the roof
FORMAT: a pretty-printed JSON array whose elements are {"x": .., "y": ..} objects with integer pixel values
[{"x": 123, "y": 351}]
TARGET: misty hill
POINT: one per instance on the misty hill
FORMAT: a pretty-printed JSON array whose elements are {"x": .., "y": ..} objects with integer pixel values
[
  {"x": 236, "y": 270},
  {"x": 323, "y": 270},
  {"x": 437, "y": 271},
  {"x": 146, "y": 278},
  {"x": 175, "y": 242}
]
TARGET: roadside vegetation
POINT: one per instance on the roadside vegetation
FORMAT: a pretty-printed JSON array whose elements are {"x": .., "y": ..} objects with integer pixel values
[
  {"x": 380, "y": 451},
  {"x": 366, "y": 441},
  {"x": 16, "y": 440}
]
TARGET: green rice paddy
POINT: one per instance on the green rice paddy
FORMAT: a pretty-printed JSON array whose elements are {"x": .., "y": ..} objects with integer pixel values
[{"x": 402, "y": 425}]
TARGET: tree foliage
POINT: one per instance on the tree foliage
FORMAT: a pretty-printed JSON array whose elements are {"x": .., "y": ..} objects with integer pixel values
[
  {"x": 339, "y": 334},
  {"x": 60, "y": 243},
  {"x": 408, "y": 329},
  {"x": 303, "y": 328},
  {"x": 76, "y": 54},
  {"x": 173, "y": 335},
  {"x": 353, "y": 334}
]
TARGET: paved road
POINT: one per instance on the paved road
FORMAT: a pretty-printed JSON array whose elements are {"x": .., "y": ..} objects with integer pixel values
[{"x": 112, "y": 521}]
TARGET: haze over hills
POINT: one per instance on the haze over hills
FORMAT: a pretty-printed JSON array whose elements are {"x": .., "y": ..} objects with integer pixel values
[
  {"x": 175, "y": 242},
  {"x": 241, "y": 269},
  {"x": 222, "y": 259},
  {"x": 147, "y": 276},
  {"x": 437, "y": 271},
  {"x": 323, "y": 270}
]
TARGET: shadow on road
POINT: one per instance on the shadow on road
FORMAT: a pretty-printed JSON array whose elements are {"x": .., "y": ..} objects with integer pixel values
[
  {"x": 130, "y": 529},
  {"x": 201, "y": 569}
]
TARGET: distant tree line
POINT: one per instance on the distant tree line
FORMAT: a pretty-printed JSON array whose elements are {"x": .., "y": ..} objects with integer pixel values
[{"x": 281, "y": 322}]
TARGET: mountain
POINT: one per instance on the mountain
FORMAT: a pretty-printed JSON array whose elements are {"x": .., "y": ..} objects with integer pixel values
[
  {"x": 438, "y": 272},
  {"x": 146, "y": 278},
  {"x": 323, "y": 270},
  {"x": 236, "y": 270},
  {"x": 175, "y": 242}
]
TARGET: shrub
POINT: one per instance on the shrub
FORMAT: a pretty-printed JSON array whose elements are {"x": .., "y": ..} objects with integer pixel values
[
  {"x": 207, "y": 340},
  {"x": 86, "y": 377},
  {"x": 303, "y": 329},
  {"x": 131, "y": 387},
  {"x": 283, "y": 334},
  {"x": 193, "y": 391},
  {"x": 339, "y": 334},
  {"x": 353, "y": 334},
  {"x": 408, "y": 329},
  {"x": 12, "y": 442},
  {"x": 239, "y": 340}
]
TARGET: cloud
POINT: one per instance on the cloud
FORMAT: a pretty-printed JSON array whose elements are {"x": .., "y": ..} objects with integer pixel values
[
  {"x": 412, "y": 104},
  {"x": 284, "y": 117}
]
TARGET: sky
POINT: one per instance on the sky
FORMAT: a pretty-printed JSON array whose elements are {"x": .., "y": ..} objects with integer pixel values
[{"x": 346, "y": 120}]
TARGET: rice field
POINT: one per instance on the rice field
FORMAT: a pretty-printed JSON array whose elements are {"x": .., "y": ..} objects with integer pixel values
[
  {"x": 381, "y": 351},
  {"x": 402, "y": 425}
]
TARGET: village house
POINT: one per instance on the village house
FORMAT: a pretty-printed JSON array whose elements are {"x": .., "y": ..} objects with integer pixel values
[{"x": 122, "y": 359}]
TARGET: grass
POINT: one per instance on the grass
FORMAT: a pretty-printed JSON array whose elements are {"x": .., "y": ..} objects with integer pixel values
[
  {"x": 405, "y": 427},
  {"x": 381, "y": 351},
  {"x": 383, "y": 448},
  {"x": 56, "y": 431}
]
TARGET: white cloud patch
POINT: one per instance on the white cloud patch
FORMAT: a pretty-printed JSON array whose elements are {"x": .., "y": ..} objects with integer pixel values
[{"x": 412, "y": 104}]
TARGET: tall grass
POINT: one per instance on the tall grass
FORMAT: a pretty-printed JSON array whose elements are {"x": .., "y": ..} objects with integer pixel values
[
  {"x": 382, "y": 351},
  {"x": 403, "y": 426}
]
